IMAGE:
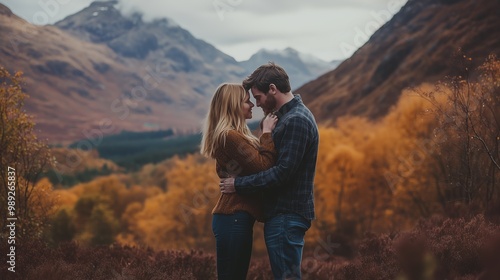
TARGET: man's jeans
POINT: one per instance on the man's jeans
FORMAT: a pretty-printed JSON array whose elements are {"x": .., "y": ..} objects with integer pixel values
[{"x": 284, "y": 236}]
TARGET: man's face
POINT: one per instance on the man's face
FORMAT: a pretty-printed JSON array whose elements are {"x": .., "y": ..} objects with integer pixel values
[{"x": 266, "y": 101}]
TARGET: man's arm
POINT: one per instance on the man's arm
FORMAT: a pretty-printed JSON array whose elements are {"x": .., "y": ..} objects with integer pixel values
[{"x": 293, "y": 146}]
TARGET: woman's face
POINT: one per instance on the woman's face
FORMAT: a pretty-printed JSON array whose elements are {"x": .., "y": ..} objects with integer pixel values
[{"x": 247, "y": 107}]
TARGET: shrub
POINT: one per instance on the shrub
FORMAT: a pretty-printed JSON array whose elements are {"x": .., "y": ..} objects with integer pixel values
[{"x": 36, "y": 260}]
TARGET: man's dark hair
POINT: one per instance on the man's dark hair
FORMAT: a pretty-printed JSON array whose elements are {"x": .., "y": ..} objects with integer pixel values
[{"x": 265, "y": 75}]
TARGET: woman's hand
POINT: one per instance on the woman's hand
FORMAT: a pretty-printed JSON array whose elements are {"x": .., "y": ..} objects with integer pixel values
[
  {"x": 269, "y": 123},
  {"x": 227, "y": 185}
]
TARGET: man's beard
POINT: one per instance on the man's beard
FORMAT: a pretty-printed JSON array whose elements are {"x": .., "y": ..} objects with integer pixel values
[{"x": 269, "y": 105}]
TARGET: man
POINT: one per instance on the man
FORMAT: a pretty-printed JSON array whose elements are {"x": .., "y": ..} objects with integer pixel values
[{"x": 288, "y": 186}]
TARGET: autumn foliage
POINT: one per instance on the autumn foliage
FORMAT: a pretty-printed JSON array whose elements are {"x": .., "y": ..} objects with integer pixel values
[
  {"x": 28, "y": 156},
  {"x": 414, "y": 195},
  {"x": 435, "y": 248},
  {"x": 437, "y": 152}
]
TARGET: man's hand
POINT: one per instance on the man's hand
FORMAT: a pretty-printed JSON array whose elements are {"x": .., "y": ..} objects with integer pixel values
[{"x": 227, "y": 185}]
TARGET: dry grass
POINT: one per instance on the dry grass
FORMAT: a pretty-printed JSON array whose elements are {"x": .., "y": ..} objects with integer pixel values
[{"x": 436, "y": 248}]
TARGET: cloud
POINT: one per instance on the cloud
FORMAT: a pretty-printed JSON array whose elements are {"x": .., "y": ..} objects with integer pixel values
[{"x": 241, "y": 27}]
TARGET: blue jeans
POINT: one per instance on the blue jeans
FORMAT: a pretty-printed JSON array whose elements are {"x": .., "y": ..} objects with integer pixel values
[
  {"x": 284, "y": 236},
  {"x": 234, "y": 237}
]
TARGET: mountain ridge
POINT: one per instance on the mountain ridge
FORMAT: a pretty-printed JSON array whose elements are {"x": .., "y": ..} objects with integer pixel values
[
  {"x": 420, "y": 44},
  {"x": 75, "y": 85},
  {"x": 98, "y": 71}
]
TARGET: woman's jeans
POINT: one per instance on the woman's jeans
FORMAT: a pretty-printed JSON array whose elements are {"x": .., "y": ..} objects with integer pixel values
[
  {"x": 284, "y": 236},
  {"x": 234, "y": 237}
]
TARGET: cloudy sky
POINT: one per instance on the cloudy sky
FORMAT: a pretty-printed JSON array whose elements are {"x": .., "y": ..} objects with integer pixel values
[{"x": 328, "y": 29}]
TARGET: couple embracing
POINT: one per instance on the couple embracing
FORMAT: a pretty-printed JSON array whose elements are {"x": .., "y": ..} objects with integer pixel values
[{"x": 267, "y": 179}]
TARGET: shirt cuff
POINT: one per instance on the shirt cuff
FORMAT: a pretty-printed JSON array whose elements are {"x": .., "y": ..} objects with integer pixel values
[{"x": 236, "y": 185}]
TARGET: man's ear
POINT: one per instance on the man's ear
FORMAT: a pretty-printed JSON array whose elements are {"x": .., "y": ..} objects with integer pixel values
[{"x": 272, "y": 89}]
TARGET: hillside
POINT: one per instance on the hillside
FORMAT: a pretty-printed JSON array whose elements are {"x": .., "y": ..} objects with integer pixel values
[
  {"x": 419, "y": 44},
  {"x": 106, "y": 72},
  {"x": 98, "y": 72}
]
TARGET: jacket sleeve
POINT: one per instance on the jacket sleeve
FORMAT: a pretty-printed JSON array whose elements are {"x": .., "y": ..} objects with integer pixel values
[
  {"x": 242, "y": 155},
  {"x": 293, "y": 145}
]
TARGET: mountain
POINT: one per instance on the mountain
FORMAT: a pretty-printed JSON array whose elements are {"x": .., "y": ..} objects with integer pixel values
[
  {"x": 98, "y": 72},
  {"x": 301, "y": 68},
  {"x": 419, "y": 44}
]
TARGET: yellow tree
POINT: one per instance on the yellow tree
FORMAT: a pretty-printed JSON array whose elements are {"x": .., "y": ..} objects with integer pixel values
[
  {"x": 367, "y": 193},
  {"x": 181, "y": 216},
  {"x": 466, "y": 161},
  {"x": 23, "y": 155},
  {"x": 336, "y": 177},
  {"x": 410, "y": 125}
]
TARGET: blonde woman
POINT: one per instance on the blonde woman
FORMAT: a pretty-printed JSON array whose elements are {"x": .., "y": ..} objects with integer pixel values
[{"x": 228, "y": 140}]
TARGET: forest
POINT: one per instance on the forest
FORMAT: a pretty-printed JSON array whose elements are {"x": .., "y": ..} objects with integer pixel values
[{"x": 413, "y": 195}]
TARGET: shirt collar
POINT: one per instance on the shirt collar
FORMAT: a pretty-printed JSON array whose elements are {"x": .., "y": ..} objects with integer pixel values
[{"x": 289, "y": 105}]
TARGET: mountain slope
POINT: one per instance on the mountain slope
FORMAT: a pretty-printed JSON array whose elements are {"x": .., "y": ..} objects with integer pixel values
[
  {"x": 131, "y": 37},
  {"x": 106, "y": 72},
  {"x": 418, "y": 45}
]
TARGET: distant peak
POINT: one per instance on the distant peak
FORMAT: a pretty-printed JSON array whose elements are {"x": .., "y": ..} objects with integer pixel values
[
  {"x": 290, "y": 50},
  {"x": 104, "y": 3},
  {"x": 290, "y": 53},
  {"x": 287, "y": 51}
]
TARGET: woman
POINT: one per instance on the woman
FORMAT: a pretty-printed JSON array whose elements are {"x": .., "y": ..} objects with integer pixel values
[{"x": 227, "y": 139}]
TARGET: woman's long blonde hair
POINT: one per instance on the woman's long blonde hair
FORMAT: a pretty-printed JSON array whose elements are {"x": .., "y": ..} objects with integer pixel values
[{"x": 225, "y": 113}]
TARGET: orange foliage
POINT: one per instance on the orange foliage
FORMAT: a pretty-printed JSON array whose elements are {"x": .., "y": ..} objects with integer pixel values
[
  {"x": 25, "y": 156},
  {"x": 103, "y": 202},
  {"x": 371, "y": 176},
  {"x": 181, "y": 216},
  {"x": 353, "y": 188},
  {"x": 385, "y": 175}
]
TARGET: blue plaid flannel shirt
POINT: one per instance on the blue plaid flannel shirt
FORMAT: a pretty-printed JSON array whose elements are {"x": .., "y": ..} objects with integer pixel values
[{"x": 288, "y": 186}]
